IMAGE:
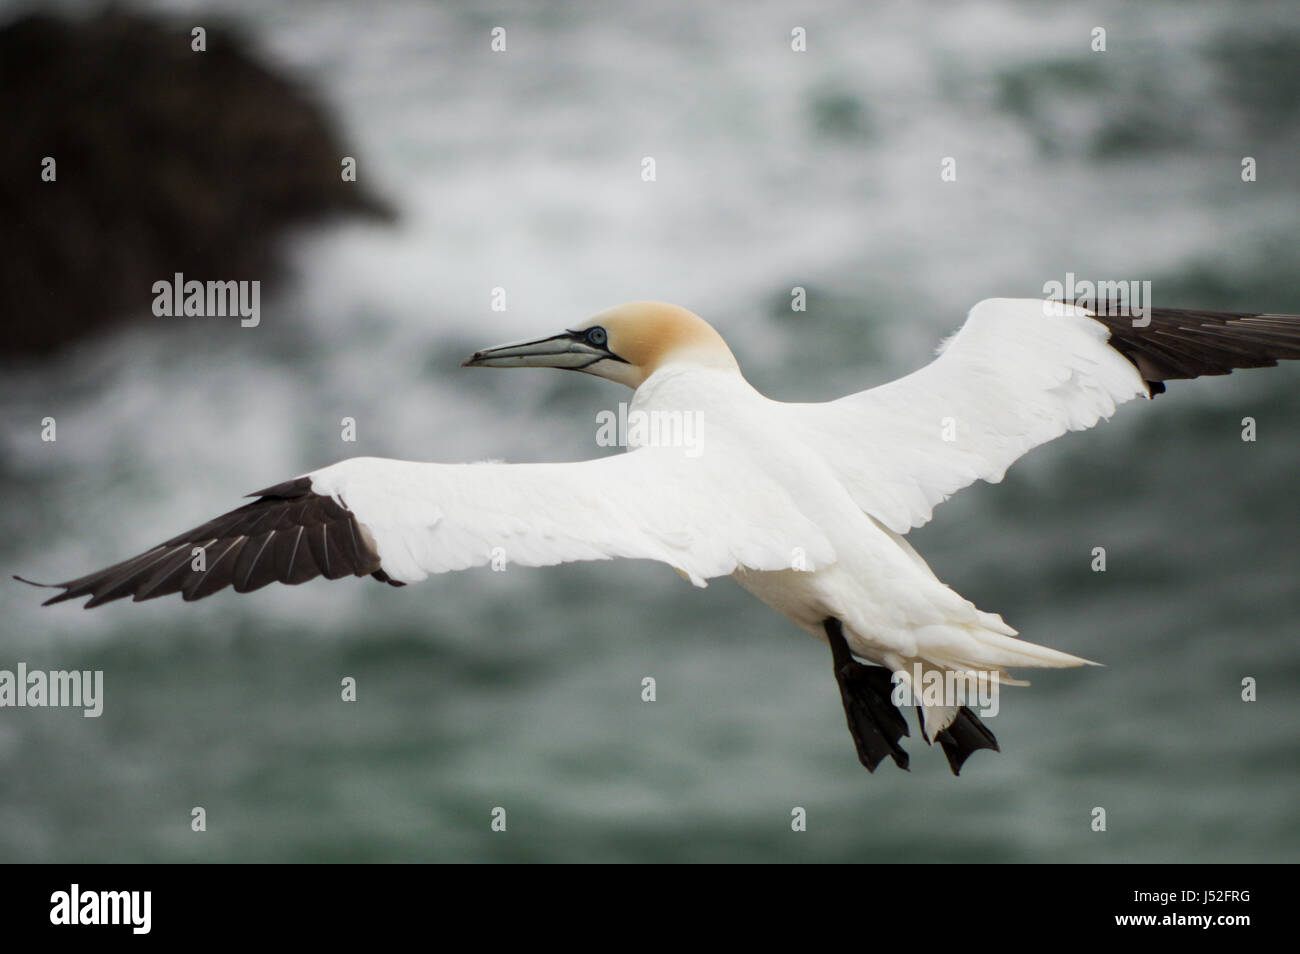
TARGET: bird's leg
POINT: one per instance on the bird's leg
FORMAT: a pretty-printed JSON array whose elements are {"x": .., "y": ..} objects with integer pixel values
[{"x": 874, "y": 721}]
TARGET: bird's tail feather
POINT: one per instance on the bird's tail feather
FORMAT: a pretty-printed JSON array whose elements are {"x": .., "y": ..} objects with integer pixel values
[{"x": 979, "y": 648}]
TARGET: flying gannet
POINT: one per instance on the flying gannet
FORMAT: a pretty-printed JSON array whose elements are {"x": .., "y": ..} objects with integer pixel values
[{"x": 804, "y": 505}]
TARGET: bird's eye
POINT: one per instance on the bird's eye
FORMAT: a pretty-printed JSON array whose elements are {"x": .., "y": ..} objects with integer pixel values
[{"x": 597, "y": 336}]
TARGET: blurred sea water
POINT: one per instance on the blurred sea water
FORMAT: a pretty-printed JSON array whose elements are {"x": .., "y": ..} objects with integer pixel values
[{"x": 775, "y": 169}]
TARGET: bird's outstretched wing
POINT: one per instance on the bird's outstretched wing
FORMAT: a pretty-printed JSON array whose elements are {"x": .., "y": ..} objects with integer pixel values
[
  {"x": 401, "y": 520},
  {"x": 1019, "y": 373}
]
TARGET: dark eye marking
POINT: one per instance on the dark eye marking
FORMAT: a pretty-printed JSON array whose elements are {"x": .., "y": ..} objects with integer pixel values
[{"x": 596, "y": 337}]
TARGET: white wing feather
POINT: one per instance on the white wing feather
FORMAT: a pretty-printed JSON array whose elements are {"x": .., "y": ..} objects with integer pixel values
[
  {"x": 1017, "y": 374},
  {"x": 705, "y": 516}
]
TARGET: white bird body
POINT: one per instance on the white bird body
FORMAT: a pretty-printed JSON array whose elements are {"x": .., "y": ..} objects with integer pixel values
[
  {"x": 759, "y": 500},
  {"x": 804, "y": 505}
]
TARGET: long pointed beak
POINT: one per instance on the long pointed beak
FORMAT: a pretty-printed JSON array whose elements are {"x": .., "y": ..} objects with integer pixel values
[{"x": 566, "y": 350}]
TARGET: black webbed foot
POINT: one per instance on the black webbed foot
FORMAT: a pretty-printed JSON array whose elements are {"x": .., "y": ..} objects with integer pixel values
[
  {"x": 874, "y": 721},
  {"x": 966, "y": 734}
]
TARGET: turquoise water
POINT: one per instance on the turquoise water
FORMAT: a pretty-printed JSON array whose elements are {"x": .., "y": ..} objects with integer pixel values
[{"x": 522, "y": 689}]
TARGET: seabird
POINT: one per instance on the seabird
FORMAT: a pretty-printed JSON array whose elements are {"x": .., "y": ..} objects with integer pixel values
[{"x": 806, "y": 506}]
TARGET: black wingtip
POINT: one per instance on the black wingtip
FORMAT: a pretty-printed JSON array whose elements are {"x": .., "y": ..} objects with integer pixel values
[
  {"x": 47, "y": 586},
  {"x": 1181, "y": 343},
  {"x": 290, "y": 534}
]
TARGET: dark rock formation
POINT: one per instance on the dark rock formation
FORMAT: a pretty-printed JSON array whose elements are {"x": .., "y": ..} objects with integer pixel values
[{"x": 168, "y": 160}]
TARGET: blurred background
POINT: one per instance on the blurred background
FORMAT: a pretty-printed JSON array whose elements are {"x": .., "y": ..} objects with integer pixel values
[{"x": 522, "y": 170}]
